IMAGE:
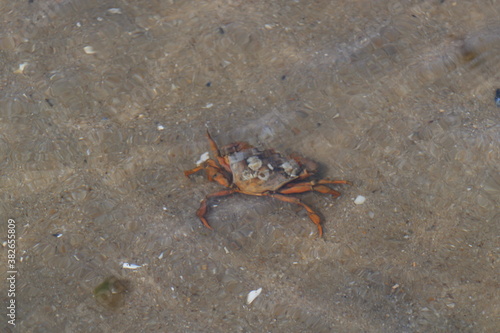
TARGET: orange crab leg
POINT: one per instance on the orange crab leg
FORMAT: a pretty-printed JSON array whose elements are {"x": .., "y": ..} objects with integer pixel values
[
  {"x": 301, "y": 188},
  {"x": 312, "y": 215},
  {"x": 215, "y": 151},
  {"x": 188, "y": 173},
  {"x": 208, "y": 164},
  {"x": 203, "y": 206},
  {"x": 321, "y": 182},
  {"x": 221, "y": 179},
  {"x": 313, "y": 186},
  {"x": 213, "y": 172},
  {"x": 327, "y": 181},
  {"x": 326, "y": 190}
]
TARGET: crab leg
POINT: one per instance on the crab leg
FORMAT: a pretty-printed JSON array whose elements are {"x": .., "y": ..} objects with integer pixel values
[
  {"x": 322, "y": 182},
  {"x": 312, "y": 215},
  {"x": 208, "y": 164},
  {"x": 307, "y": 188},
  {"x": 215, "y": 150},
  {"x": 313, "y": 186},
  {"x": 188, "y": 173},
  {"x": 203, "y": 206},
  {"x": 326, "y": 190}
]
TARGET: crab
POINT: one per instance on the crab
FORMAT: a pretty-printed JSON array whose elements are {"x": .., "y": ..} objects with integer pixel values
[{"x": 242, "y": 168}]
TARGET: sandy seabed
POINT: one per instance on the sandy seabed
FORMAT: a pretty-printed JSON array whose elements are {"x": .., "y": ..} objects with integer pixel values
[{"x": 104, "y": 104}]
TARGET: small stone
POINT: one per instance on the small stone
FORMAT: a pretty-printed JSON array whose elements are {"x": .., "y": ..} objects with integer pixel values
[{"x": 359, "y": 200}]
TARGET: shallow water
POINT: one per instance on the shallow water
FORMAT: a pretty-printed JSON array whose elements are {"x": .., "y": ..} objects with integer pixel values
[{"x": 105, "y": 103}]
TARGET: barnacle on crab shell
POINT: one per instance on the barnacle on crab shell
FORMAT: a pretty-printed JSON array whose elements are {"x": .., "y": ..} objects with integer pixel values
[
  {"x": 263, "y": 174},
  {"x": 291, "y": 168},
  {"x": 247, "y": 175},
  {"x": 254, "y": 163}
]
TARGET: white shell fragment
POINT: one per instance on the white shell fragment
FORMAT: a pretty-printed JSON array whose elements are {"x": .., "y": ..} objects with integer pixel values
[
  {"x": 130, "y": 266},
  {"x": 114, "y": 11},
  {"x": 21, "y": 68},
  {"x": 203, "y": 158},
  {"x": 359, "y": 200},
  {"x": 89, "y": 50},
  {"x": 253, "y": 295}
]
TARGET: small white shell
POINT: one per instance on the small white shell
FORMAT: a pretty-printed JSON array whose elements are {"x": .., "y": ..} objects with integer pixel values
[
  {"x": 203, "y": 158},
  {"x": 253, "y": 295},
  {"x": 130, "y": 266},
  {"x": 89, "y": 50},
  {"x": 359, "y": 200},
  {"x": 114, "y": 11}
]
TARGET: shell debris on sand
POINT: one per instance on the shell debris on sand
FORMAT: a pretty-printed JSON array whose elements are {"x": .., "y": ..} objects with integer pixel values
[
  {"x": 130, "y": 266},
  {"x": 89, "y": 50},
  {"x": 21, "y": 68},
  {"x": 253, "y": 295}
]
